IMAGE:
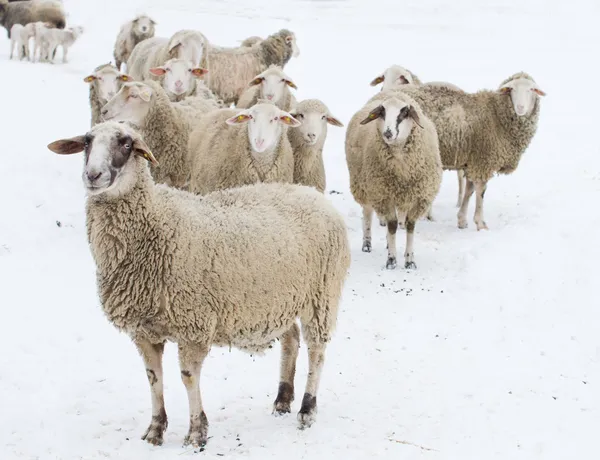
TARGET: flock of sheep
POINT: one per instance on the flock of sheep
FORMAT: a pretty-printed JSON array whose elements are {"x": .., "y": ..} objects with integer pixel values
[{"x": 227, "y": 238}]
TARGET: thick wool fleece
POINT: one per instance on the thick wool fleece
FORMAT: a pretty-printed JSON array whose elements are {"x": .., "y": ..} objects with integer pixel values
[
  {"x": 385, "y": 177},
  {"x": 309, "y": 169},
  {"x": 128, "y": 38},
  {"x": 166, "y": 130},
  {"x": 480, "y": 132},
  {"x": 221, "y": 156},
  {"x": 234, "y": 268}
]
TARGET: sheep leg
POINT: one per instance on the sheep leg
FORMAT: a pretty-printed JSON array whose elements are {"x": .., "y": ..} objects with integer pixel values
[
  {"x": 152, "y": 355},
  {"x": 480, "y": 188},
  {"x": 367, "y": 220},
  {"x": 429, "y": 215},
  {"x": 12, "y": 48},
  {"x": 464, "y": 207},
  {"x": 191, "y": 357},
  {"x": 409, "y": 255},
  {"x": 382, "y": 221},
  {"x": 316, "y": 359},
  {"x": 392, "y": 227},
  {"x": 290, "y": 343},
  {"x": 65, "y": 50},
  {"x": 461, "y": 186}
]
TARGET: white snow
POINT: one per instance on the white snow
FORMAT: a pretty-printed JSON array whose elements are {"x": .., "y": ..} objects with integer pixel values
[{"x": 489, "y": 350}]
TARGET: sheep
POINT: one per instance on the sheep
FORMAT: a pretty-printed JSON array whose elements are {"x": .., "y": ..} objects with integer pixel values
[
  {"x": 272, "y": 85},
  {"x": 60, "y": 37},
  {"x": 165, "y": 125},
  {"x": 394, "y": 164},
  {"x": 24, "y": 12},
  {"x": 307, "y": 142},
  {"x": 105, "y": 82},
  {"x": 232, "y": 68},
  {"x": 151, "y": 53},
  {"x": 483, "y": 133},
  {"x": 234, "y": 268},
  {"x": 40, "y": 44},
  {"x": 20, "y": 36},
  {"x": 226, "y": 154},
  {"x": 250, "y": 41},
  {"x": 130, "y": 34}
]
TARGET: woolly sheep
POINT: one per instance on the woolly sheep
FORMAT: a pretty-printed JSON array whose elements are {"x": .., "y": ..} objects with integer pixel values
[
  {"x": 24, "y": 12},
  {"x": 307, "y": 142},
  {"x": 272, "y": 85},
  {"x": 234, "y": 268},
  {"x": 394, "y": 164},
  {"x": 232, "y": 68},
  {"x": 483, "y": 133},
  {"x": 251, "y": 41},
  {"x": 130, "y": 34},
  {"x": 105, "y": 82},
  {"x": 189, "y": 45},
  {"x": 165, "y": 125},
  {"x": 230, "y": 148},
  {"x": 40, "y": 45},
  {"x": 19, "y": 39},
  {"x": 60, "y": 37}
]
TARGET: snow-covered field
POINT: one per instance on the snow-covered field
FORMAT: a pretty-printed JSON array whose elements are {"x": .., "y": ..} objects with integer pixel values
[{"x": 489, "y": 350}]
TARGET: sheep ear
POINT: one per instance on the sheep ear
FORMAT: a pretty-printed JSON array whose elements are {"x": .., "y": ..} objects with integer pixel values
[
  {"x": 68, "y": 146},
  {"x": 378, "y": 80},
  {"x": 174, "y": 50},
  {"x": 89, "y": 78},
  {"x": 505, "y": 90},
  {"x": 288, "y": 119},
  {"x": 199, "y": 71},
  {"x": 538, "y": 91},
  {"x": 241, "y": 117},
  {"x": 412, "y": 113},
  {"x": 124, "y": 77},
  {"x": 158, "y": 71},
  {"x": 334, "y": 121},
  {"x": 256, "y": 81},
  {"x": 288, "y": 39},
  {"x": 404, "y": 80},
  {"x": 373, "y": 115},
  {"x": 290, "y": 83},
  {"x": 141, "y": 149},
  {"x": 145, "y": 94}
]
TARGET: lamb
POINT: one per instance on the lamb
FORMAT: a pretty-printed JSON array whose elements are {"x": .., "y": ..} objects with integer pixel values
[
  {"x": 130, "y": 34},
  {"x": 20, "y": 36},
  {"x": 165, "y": 125},
  {"x": 394, "y": 164},
  {"x": 272, "y": 85},
  {"x": 189, "y": 45},
  {"x": 105, "y": 82},
  {"x": 307, "y": 142},
  {"x": 226, "y": 154},
  {"x": 40, "y": 44},
  {"x": 59, "y": 37},
  {"x": 232, "y": 68},
  {"x": 251, "y": 41},
  {"x": 234, "y": 268},
  {"x": 24, "y": 12}
]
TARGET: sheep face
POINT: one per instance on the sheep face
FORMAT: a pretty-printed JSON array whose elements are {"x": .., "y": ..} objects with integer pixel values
[
  {"x": 130, "y": 104},
  {"x": 291, "y": 41},
  {"x": 178, "y": 75},
  {"x": 395, "y": 120},
  {"x": 107, "y": 82},
  {"x": 314, "y": 121},
  {"x": 108, "y": 149},
  {"x": 143, "y": 25},
  {"x": 523, "y": 93},
  {"x": 393, "y": 77},
  {"x": 265, "y": 123},
  {"x": 272, "y": 84}
]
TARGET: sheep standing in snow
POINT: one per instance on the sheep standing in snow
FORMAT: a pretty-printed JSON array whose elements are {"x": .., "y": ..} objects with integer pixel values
[
  {"x": 53, "y": 38},
  {"x": 19, "y": 39},
  {"x": 234, "y": 268},
  {"x": 394, "y": 164},
  {"x": 307, "y": 142},
  {"x": 483, "y": 133},
  {"x": 230, "y": 148},
  {"x": 130, "y": 34},
  {"x": 24, "y": 12},
  {"x": 272, "y": 85},
  {"x": 105, "y": 82},
  {"x": 232, "y": 68},
  {"x": 165, "y": 125}
]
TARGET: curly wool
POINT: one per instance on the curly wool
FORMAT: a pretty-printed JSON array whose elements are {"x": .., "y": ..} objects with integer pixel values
[
  {"x": 406, "y": 177},
  {"x": 234, "y": 268},
  {"x": 221, "y": 156},
  {"x": 479, "y": 132}
]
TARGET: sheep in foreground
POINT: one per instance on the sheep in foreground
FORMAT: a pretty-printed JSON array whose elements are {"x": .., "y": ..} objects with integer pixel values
[
  {"x": 130, "y": 34},
  {"x": 232, "y": 68},
  {"x": 165, "y": 125},
  {"x": 307, "y": 142},
  {"x": 60, "y": 37},
  {"x": 483, "y": 133},
  {"x": 394, "y": 164},
  {"x": 105, "y": 82},
  {"x": 24, "y": 12},
  {"x": 19, "y": 39},
  {"x": 189, "y": 45},
  {"x": 234, "y": 268},
  {"x": 251, "y": 41},
  {"x": 230, "y": 148},
  {"x": 272, "y": 85}
]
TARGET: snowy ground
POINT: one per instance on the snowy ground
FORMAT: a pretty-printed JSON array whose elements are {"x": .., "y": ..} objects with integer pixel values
[{"x": 490, "y": 350}]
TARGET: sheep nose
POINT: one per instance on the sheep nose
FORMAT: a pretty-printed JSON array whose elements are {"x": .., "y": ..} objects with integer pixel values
[
  {"x": 93, "y": 176},
  {"x": 178, "y": 84},
  {"x": 270, "y": 97},
  {"x": 387, "y": 134},
  {"x": 520, "y": 108},
  {"x": 312, "y": 136},
  {"x": 259, "y": 142},
  {"x": 104, "y": 112}
]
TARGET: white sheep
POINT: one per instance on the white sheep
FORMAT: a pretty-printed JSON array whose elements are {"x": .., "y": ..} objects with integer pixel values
[
  {"x": 394, "y": 165},
  {"x": 105, "y": 82},
  {"x": 231, "y": 147},
  {"x": 19, "y": 39},
  {"x": 180, "y": 79},
  {"x": 54, "y": 38},
  {"x": 40, "y": 45},
  {"x": 130, "y": 34},
  {"x": 272, "y": 85},
  {"x": 234, "y": 268}
]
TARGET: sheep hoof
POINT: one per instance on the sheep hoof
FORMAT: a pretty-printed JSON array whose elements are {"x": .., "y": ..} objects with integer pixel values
[
  {"x": 154, "y": 433},
  {"x": 410, "y": 265},
  {"x": 391, "y": 263},
  {"x": 198, "y": 433},
  {"x": 308, "y": 411},
  {"x": 195, "y": 439},
  {"x": 283, "y": 402},
  {"x": 282, "y": 408},
  {"x": 366, "y": 247},
  {"x": 482, "y": 226},
  {"x": 462, "y": 224}
]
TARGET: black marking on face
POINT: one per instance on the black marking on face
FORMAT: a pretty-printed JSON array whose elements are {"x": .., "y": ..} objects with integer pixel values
[
  {"x": 88, "y": 140},
  {"x": 121, "y": 150}
]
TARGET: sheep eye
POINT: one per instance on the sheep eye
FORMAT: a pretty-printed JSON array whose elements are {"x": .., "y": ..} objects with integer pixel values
[
  {"x": 133, "y": 96},
  {"x": 323, "y": 117},
  {"x": 127, "y": 146}
]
